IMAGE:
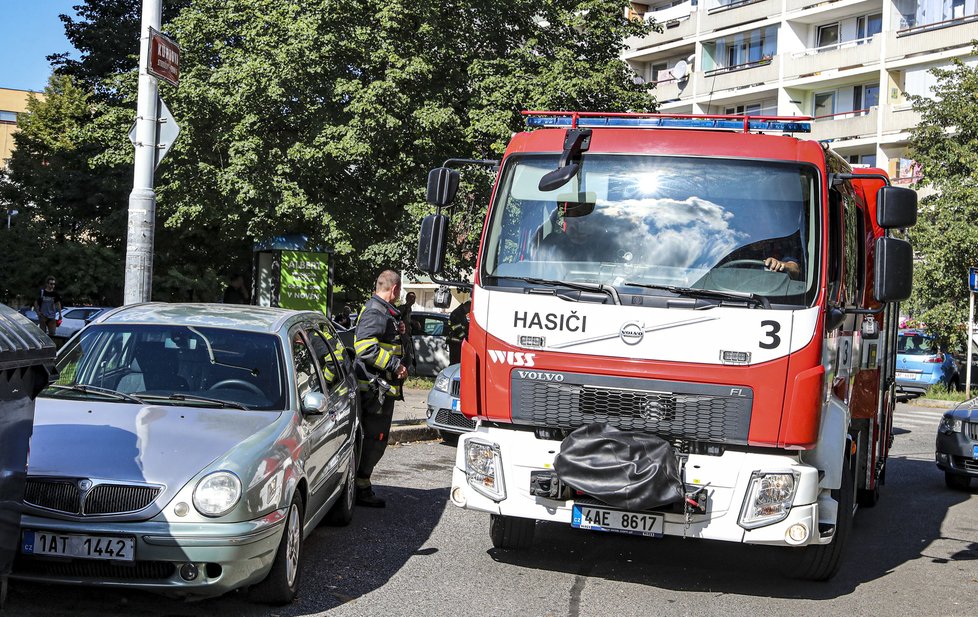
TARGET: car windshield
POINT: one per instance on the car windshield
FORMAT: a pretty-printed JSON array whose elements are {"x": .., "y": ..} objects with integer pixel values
[
  {"x": 169, "y": 364},
  {"x": 916, "y": 345},
  {"x": 641, "y": 222}
]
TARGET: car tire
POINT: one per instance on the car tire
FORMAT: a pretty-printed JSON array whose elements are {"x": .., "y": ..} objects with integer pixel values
[
  {"x": 281, "y": 586},
  {"x": 956, "y": 482},
  {"x": 822, "y": 562},
  {"x": 449, "y": 439},
  {"x": 341, "y": 513},
  {"x": 510, "y": 532}
]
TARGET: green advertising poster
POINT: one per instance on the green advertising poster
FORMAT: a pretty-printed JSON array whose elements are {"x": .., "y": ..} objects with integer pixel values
[{"x": 304, "y": 281}]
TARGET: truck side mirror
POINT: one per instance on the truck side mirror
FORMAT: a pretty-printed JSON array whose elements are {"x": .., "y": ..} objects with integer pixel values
[
  {"x": 442, "y": 186},
  {"x": 893, "y": 276},
  {"x": 431, "y": 243},
  {"x": 896, "y": 207}
]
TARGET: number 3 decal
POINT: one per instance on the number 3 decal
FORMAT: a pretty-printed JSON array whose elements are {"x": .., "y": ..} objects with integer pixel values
[{"x": 772, "y": 334}]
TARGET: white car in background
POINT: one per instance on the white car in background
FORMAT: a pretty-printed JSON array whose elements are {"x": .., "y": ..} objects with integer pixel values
[{"x": 74, "y": 318}]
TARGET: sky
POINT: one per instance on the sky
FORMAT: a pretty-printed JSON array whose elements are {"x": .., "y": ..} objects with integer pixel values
[{"x": 30, "y": 31}]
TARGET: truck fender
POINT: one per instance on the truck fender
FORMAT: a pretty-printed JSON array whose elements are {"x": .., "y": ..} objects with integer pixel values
[{"x": 832, "y": 444}]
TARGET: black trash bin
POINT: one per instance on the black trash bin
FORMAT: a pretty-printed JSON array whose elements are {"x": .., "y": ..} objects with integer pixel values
[{"x": 26, "y": 366}]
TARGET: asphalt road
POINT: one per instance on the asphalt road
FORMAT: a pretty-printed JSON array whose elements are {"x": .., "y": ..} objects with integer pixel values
[{"x": 916, "y": 553}]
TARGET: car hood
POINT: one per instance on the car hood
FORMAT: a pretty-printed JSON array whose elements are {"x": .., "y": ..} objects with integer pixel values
[
  {"x": 967, "y": 411},
  {"x": 155, "y": 444}
]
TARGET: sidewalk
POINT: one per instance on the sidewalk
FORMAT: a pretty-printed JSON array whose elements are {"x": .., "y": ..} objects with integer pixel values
[{"x": 409, "y": 418}]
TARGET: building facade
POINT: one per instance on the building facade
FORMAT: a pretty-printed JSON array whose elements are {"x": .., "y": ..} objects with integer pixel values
[
  {"x": 12, "y": 104},
  {"x": 850, "y": 64}
]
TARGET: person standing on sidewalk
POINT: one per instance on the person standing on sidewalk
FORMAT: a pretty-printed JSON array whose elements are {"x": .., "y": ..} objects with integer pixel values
[
  {"x": 458, "y": 331},
  {"x": 47, "y": 307},
  {"x": 381, "y": 372},
  {"x": 407, "y": 343}
]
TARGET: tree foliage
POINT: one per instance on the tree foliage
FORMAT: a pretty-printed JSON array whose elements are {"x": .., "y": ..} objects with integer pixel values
[
  {"x": 324, "y": 117},
  {"x": 945, "y": 145}
]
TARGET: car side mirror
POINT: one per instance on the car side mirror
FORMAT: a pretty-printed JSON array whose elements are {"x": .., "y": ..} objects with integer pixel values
[
  {"x": 314, "y": 404},
  {"x": 896, "y": 207},
  {"x": 893, "y": 276},
  {"x": 442, "y": 186},
  {"x": 431, "y": 243}
]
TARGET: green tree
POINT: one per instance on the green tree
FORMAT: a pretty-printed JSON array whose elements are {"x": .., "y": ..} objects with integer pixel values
[{"x": 945, "y": 145}]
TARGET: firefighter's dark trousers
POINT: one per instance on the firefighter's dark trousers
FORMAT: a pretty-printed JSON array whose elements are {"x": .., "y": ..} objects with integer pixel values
[{"x": 376, "y": 430}]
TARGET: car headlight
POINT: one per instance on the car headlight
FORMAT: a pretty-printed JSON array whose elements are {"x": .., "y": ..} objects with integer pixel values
[
  {"x": 950, "y": 425},
  {"x": 442, "y": 382},
  {"x": 217, "y": 493},
  {"x": 769, "y": 498},
  {"x": 483, "y": 469}
]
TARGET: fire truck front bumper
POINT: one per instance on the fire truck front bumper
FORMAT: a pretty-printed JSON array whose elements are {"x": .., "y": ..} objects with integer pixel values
[{"x": 747, "y": 497}]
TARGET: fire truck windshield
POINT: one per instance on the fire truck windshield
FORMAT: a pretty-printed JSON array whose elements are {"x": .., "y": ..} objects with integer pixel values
[{"x": 643, "y": 223}]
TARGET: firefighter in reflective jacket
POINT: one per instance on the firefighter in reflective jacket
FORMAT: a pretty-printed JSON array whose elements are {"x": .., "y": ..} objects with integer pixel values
[{"x": 380, "y": 372}]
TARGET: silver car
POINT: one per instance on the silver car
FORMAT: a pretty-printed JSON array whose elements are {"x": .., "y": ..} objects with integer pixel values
[
  {"x": 189, "y": 450},
  {"x": 444, "y": 409}
]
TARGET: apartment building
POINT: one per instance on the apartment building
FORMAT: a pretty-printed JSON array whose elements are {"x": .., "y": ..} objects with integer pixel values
[
  {"x": 850, "y": 64},
  {"x": 12, "y": 104}
]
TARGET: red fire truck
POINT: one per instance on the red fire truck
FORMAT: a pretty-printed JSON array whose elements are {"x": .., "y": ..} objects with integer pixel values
[{"x": 710, "y": 282}]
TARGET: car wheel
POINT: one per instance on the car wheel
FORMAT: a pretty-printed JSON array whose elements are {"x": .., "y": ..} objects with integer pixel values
[
  {"x": 282, "y": 583},
  {"x": 821, "y": 562},
  {"x": 511, "y": 532},
  {"x": 342, "y": 511},
  {"x": 449, "y": 439},
  {"x": 956, "y": 482}
]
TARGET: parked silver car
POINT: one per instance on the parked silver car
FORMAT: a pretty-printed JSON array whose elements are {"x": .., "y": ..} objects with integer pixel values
[
  {"x": 189, "y": 450},
  {"x": 430, "y": 334},
  {"x": 444, "y": 405},
  {"x": 74, "y": 318}
]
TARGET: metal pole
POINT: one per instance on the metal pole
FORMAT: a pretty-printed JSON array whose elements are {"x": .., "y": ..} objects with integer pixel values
[
  {"x": 142, "y": 199},
  {"x": 971, "y": 331}
]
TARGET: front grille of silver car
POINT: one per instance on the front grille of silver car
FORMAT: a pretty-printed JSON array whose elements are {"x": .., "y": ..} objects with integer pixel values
[
  {"x": 447, "y": 417},
  {"x": 93, "y": 569},
  {"x": 65, "y": 495},
  {"x": 456, "y": 388}
]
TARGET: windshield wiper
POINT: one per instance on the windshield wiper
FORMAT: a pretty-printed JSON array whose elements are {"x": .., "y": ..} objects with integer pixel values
[
  {"x": 708, "y": 294},
  {"x": 85, "y": 389},
  {"x": 199, "y": 399},
  {"x": 580, "y": 286}
]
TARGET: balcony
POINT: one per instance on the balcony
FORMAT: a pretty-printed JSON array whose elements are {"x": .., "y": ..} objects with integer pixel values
[
  {"x": 797, "y": 5},
  {"x": 671, "y": 90},
  {"x": 738, "y": 12},
  {"x": 845, "y": 125},
  {"x": 932, "y": 37},
  {"x": 740, "y": 76},
  {"x": 677, "y": 22},
  {"x": 897, "y": 119},
  {"x": 850, "y": 54}
]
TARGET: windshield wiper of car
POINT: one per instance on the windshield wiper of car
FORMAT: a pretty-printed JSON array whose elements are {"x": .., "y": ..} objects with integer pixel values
[
  {"x": 199, "y": 399},
  {"x": 85, "y": 389},
  {"x": 580, "y": 286},
  {"x": 708, "y": 294}
]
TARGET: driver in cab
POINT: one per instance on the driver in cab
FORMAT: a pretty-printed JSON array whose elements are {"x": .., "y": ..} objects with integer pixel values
[{"x": 577, "y": 237}]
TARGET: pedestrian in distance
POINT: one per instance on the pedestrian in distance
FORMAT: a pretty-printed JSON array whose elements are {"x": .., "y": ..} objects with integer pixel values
[
  {"x": 380, "y": 373},
  {"x": 237, "y": 292},
  {"x": 47, "y": 306},
  {"x": 342, "y": 318},
  {"x": 407, "y": 343}
]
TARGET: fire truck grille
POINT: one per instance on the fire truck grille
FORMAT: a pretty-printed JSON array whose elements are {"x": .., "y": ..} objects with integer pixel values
[{"x": 718, "y": 414}]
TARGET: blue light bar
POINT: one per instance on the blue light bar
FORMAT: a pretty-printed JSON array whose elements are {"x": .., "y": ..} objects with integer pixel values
[{"x": 781, "y": 126}]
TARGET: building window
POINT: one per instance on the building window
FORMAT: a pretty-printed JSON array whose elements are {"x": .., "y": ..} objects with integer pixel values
[
  {"x": 740, "y": 50},
  {"x": 8, "y": 116},
  {"x": 828, "y": 36},
  {"x": 864, "y": 97},
  {"x": 957, "y": 9},
  {"x": 824, "y": 104},
  {"x": 919, "y": 13},
  {"x": 750, "y": 109},
  {"x": 868, "y": 26},
  {"x": 659, "y": 71}
]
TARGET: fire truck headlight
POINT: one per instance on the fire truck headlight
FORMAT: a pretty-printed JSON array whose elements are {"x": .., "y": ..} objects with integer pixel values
[
  {"x": 769, "y": 498},
  {"x": 483, "y": 468}
]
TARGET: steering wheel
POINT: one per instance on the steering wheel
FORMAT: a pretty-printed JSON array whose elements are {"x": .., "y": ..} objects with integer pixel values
[
  {"x": 739, "y": 263},
  {"x": 239, "y": 384}
]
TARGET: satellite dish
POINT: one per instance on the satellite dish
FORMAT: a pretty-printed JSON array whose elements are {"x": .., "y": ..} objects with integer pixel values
[{"x": 680, "y": 71}]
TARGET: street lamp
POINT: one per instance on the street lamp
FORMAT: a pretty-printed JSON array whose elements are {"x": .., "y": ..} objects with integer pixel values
[{"x": 10, "y": 215}]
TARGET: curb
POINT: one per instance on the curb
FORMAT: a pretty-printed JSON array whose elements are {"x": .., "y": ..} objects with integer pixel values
[
  {"x": 933, "y": 402},
  {"x": 405, "y": 433}
]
